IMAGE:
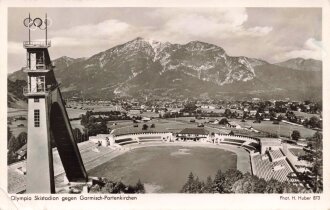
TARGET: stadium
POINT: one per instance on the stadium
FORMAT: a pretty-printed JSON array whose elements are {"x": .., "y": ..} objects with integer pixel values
[{"x": 131, "y": 154}]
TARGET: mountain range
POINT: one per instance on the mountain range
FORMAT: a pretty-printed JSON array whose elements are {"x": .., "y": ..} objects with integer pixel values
[{"x": 155, "y": 69}]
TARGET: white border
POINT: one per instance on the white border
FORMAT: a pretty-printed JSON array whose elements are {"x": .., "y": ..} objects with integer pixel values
[{"x": 168, "y": 201}]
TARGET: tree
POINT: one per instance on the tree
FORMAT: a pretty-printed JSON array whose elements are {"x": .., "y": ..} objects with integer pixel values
[
  {"x": 104, "y": 185},
  {"x": 314, "y": 155},
  {"x": 291, "y": 116},
  {"x": 198, "y": 186},
  {"x": 272, "y": 114},
  {"x": 95, "y": 189},
  {"x": 78, "y": 135},
  {"x": 231, "y": 176},
  {"x": 218, "y": 182},
  {"x": 227, "y": 113},
  {"x": 231, "y": 133},
  {"x": 9, "y": 134},
  {"x": 22, "y": 138},
  {"x": 193, "y": 185},
  {"x": 314, "y": 122},
  {"x": 274, "y": 186},
  {"x": 249, "y": 184},
  {"x": 93, "y": 128},
  {"x": 208, "y": 185},
  {"x": 152, "y": 126},
  {"x": 139, "y": 187},
  {"x": 144, "y": 127},
  {"x": 190, "y": 107},
  {"x": 85, "y": 119},
  {"x": 188, "y": 186},
  {"x": 245, "y": 115},
  {"x": 258, "y": 117},
  {"x": 14, "y": 144},
  {"x": 260, "y": 185},
  {"x": 295, "y": 135},
  {"x": 280, "y": 118},
  {"x": 288, "y": 187},
  {"x": 223, "y": 121},
  {"x": 244, "y": 185}
]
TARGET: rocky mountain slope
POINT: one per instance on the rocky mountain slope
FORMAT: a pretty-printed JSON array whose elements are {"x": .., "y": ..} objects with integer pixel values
[{"x": 141, "y": 67}]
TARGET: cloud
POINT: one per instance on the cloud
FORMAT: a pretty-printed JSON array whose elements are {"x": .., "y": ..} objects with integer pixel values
[
  {"x": 273, "y": 34},
  {"x": 181, "y": 24},
  {"x": 312, "y": 48},
  {"x": 102, "y": 30},
  {"x": 100, "y": 36}
]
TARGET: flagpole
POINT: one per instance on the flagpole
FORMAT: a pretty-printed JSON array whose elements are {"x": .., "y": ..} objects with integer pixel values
[
  {"x": 46, "y": 27},
  {"x": 29, "y": 29}
]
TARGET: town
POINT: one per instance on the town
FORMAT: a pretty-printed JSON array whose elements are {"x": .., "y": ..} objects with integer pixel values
[
  {"x": 294, "y": 122},
  {"x": 148, "y": 116}
]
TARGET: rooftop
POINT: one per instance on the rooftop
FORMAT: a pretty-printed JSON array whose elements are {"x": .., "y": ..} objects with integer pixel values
[
  {"x": 270, "y": 141},
  {"x": 22, "y": 150},
  {"x": 199, "y": 131}
]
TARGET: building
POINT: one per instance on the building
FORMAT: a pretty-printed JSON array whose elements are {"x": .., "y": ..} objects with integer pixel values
[
  {"x": 253, "y": 112},
  {"x": 193, "y": 134},
  {"x": 234, "y": 125},
  {"x": 268, "y": 144},
  {"x": 47, "y": 122},
  {"x": 21, "y": 152}
]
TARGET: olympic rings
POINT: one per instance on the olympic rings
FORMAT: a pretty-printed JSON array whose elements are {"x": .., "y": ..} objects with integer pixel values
[{"x": 37, "y": 23}]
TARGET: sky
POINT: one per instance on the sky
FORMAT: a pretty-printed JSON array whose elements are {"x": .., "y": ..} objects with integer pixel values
[{"x": 271, "y": 34}]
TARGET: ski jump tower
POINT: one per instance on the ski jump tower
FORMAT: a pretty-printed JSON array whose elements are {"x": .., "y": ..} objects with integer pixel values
[{"x": 47, "y": 118}]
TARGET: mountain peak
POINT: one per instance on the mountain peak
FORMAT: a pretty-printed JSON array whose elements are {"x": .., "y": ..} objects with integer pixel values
[
  {"x": 64, "y": 58},
  {"x": 200, "y": 46},
  {"x": 145, "y": 66},
  {"x": 302, "y": 64}
]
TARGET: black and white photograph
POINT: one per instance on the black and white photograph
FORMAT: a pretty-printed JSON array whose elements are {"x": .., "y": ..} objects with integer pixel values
[{"x": 178, "y": 100}]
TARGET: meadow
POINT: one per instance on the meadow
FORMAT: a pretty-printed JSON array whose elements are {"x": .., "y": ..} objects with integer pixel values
[{"x": 165, "y": 169}]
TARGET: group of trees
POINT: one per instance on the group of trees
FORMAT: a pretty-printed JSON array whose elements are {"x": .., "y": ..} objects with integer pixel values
[
  {"x": 79, "y": 136},
  {"x": 313, "y": 122},
  {"x": 313, "y": 107},
  {"x": 313, "y": 154},
  {"x": 229, "y": 114},
  {"x": 13, "y": 144},
  {"x": 106, "y": 116},
  {"x": 145, "y": 126},
  {"x": 92, "y": 126},
  {"x": 313, "y": 176},
  {"x": 107, "y": 186},
  {"x": 233, "y": 181}
]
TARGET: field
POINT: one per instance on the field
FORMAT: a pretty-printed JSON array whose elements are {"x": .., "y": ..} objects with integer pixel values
[
  {"x": 12, "y": 112},
  {"x": 282, "y": 129},
  {"x": 17, "y": 126},
  {"x": 265, "y": 126},
  {"x": 173, "y": 125},
  {"x": 96, "y": 107},
  {"x": 165, "y": 169},
  {"x": 75, "y": 113},
  {"x": 161, "y": 125},
  {"x": 307, "y": 115}
]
